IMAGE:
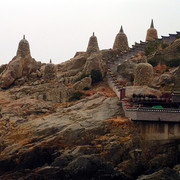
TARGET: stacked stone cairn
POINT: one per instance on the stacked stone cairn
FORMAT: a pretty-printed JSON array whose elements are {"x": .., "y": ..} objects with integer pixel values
[
  {"x": 121, "y": 41},
  {"x": 48, "y": 71},
  {"x": 151, "y": 33},
  {"x": 92, "y": 45},
  {"x": 143, "y": 74}
]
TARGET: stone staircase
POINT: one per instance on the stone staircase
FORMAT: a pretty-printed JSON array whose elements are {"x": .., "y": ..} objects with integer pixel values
[{"x": 122, "y": 56}]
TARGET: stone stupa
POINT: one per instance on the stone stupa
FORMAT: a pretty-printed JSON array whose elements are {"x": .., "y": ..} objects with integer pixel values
[
  {"x": 121, "y": 41},
  {"x": 151, "y": 33},
  {"x": 23, "y": 48},
  {"x": 93, "y": 44}
]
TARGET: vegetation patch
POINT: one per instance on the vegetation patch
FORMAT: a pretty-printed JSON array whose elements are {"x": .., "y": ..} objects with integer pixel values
[
  {"x": 153, "y": 61},
  {"x": 96, "y": 76},
  {"x": 1, "y": 70},
  {"x": 81, "y": 77},
  {"x": 86, "y": 88},
  {"x": 76, "y": 96},
  {"x": 173, "y": 63},
  {"x": 151, "y": 47}
]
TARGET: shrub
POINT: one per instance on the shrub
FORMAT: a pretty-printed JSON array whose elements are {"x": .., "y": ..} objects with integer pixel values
[
  {"x": 81, "y": 77},
  {"x": 76, "y": 96},
  {"x": 173, "y": 63},
  {"x": 153, "y": 62},
  {"x": 178, "y": 36},
  {"x": 178, "y": 47},
  {"x": 166, "y": 70},
  {"x": 151, "y": 47},
  {"x": 1, "y": 70},
  {"x": 96, "y": 76},
  {"x": 86, "y": 88},
  {"x": 164, "y": 45}
]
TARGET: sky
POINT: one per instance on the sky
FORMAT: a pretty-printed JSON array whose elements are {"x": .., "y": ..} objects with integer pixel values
[{"x": 57, "y": 29}]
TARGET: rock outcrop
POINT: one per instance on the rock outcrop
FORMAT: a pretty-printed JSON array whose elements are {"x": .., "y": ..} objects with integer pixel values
[
  {"x": 21, "y": 65},
  {"x": 126, "y": 70},
  {"x": 94, "y": 61},
  {"x": 84, "y": 83}
]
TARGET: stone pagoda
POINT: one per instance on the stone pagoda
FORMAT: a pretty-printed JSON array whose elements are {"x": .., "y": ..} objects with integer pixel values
[
  {"x": 121, "y": 41},
  {"x": 93, "y": 44},
  {"x": 151, "y": 33},
  {"x": 23, "y": 48}
]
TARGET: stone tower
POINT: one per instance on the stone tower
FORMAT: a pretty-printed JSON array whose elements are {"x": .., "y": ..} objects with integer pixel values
[
  {"x": 151, "y": 33},
  {"x": 93, "y": 44},
  {"x": 23, "y": 48},
  {"x": 121, "y": 42},
  {"x": 143, "y": 74}
]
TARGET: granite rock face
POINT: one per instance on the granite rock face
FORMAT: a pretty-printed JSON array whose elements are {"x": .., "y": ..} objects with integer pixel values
[
  {"x": 94, "y": 61},
  {"x": 127, "y": 70},
  {"x": 84, "y": 83},
  {"x": 21, "y": 65}
]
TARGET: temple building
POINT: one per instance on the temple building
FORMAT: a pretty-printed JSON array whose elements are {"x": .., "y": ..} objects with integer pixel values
[
  {"x": 151, "y": 33},
  {"x": 93, "y": 44},
  {"x": 23, "y": 48},
  {"x": 121, "y": 41}
]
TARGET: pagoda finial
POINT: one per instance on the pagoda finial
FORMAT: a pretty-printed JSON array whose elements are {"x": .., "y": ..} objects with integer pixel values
[
  {"x": 121, "y": 30},
  {"x": 93, "y": 34},
  {"x": 23, "y": 36},
  {"x": 50, "y": 61},
  {"x": 152, "y": 24}
]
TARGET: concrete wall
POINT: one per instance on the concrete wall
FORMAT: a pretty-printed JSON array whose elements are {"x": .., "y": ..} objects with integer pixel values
[
  {"x": 166, "y": 116},
  {"x": 159, "y": 130}
]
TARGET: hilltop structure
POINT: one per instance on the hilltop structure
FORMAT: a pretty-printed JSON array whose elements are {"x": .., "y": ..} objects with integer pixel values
[
  {"x": 23, "y": 48},
  {"x": 93, "y": 44},
  {"x": 151, "y": 33},
  {"x": 21, "y": 65},
  {"x": 121, "y": 41}
]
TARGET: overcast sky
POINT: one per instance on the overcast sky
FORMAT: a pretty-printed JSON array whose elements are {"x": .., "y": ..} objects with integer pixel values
[{"x": 57, "y": 29}]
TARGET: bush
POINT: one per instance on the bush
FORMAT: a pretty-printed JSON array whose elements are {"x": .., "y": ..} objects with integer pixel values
[
  {"x": 178, "y": 36},
  {"x": 151, "y": 47},
  {"x": 178, "y": 47},
  {"x": 96, "y": 76},
  {"x": 82, "y": 76},
  {"x": 76, "y": 96},
  {"x": 153, "y": 62},
  {"x": 1, "y": 70},
  {"x": 86, "y": 88},
  {"x": 164, "y": 45},
  {"x": 173, "y": 63}
]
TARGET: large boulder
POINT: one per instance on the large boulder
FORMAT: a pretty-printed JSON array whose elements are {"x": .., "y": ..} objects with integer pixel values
[
  {"x": 48, "y": 71},
  {"x": 84, "y": 83},
  {"x": 94, "y": 61},
  {"x": 127, "y": 70}
]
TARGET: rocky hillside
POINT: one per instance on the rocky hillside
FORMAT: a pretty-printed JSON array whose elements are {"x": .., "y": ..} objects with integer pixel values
[{"x": 64, "y": 122}]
